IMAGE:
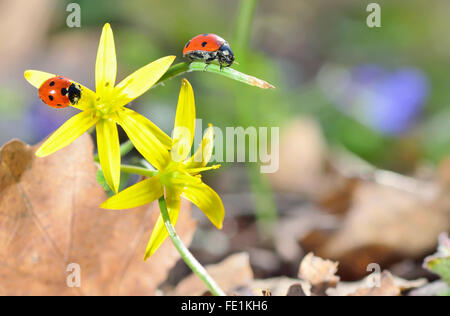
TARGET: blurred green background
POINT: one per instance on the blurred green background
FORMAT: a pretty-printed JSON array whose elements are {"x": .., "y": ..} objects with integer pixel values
[{"x": 380, "y": 92}]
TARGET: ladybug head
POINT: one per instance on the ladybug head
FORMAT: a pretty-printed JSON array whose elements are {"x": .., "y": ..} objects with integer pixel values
[
  {"x": 74, "y": 93},
  {"x": 226, "y": 55}
]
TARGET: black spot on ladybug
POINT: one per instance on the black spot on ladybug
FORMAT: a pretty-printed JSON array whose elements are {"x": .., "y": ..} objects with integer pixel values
[
  {"x": 50, "y": 97},
  {"x": 64, "y": 91},
  {"x": 187, "y": 45},
  {"x": 61, "y": 78},
  {"x": 52, "y": 84},
  {"x": 206, "y": 34},
  {"x": 204, "y": 44},
  {"x": 59, "y": 105}
]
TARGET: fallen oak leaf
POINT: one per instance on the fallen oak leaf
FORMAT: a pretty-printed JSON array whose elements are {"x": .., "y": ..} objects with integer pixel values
[
  {"x": 302, "y": 159},
  {"x": 230, "y": 274},
  {"x": 279, "y": 286},
  {"x": 320, "y": 273},
  {"x": 50, "y": 217},
  {"x": 383, "y": 225},
  {"x": 316, "y": 270},
  {"x": 389, "y": 285}
]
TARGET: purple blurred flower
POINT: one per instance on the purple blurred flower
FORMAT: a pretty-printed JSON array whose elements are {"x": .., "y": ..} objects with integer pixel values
[
  {"x": 368, "y": 74},
  {"x": 43, "y": 120},
  {"x": 400, "y": 99},
  {"x": 395, "y": 98},
  {"x": 387, "y": 101}
]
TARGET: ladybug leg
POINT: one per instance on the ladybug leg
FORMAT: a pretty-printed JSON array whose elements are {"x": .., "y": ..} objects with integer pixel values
[
  {"x": 206, "y": 65},
  {"x": 221, "y": 62}
]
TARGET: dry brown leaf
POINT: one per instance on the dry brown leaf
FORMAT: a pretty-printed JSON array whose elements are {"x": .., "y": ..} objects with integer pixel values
[
  {"x": 302, "y": 158},
  {"x": 389, "y": 286},
  {"x": 318, "y": 271},
  {"x": 49, "y": 217},
  {"x": 298, "y": 224},
  {"x": 305, "y": 167},
  {"x": 383, "y": 225},
  {"x": 230, "y": 274},
  {"x": 279, "y": 286}
]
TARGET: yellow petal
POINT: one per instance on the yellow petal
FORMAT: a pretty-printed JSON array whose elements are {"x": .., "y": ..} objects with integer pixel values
[
  {"x": 207, "y": 200},
  {"x": 194, "y": 171},
  {"x": 36, "y": 78},
  {"x": 148, "y": 139},
  {"x": 109, "y": 152},
  {"x": 184, "y": 129},
  {"x": 87, "y": 100},
  {"x": 139, "y": 194},
  {"x": 204, "y": 152},
  {"x": 160, "y": 233},
  {"x": 106, "y": 64},
  {"x": 67, "y": 133},
  {"x": 143, "y": 79}
]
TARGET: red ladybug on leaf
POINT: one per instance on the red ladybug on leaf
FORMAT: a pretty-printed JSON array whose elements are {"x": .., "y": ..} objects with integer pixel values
[
  {"x": 59, "y": 92},
  {"x": 209, "y": 47}
]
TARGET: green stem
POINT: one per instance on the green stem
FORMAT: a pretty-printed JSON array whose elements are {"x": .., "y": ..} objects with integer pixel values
[
  {"x": 265, "y": 209},
  {"x": 195, "y": 266},
  {"x": 138, "y": 170},
  {"x": 125, "y": 148},
  {"x": 244, "y": 23},
  {"x": 186, "y": 67},
  {"x": 174, "y": 70}
]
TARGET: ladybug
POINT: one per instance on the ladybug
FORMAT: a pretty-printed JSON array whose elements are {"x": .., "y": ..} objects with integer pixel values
[
  {"x": 60, "y": 92},
  {"x": 209, "y": 47}
]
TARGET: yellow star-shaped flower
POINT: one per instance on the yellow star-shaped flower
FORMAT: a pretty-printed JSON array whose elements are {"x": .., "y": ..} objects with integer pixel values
[
  {"x": 105, "y": 108},
  {"x": 177, "y": 175}
]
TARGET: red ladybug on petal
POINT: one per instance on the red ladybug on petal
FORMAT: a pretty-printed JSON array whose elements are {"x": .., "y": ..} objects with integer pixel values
[
  {"x": 209, "y": 47},
  {"x": 60, "y": 92}
]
